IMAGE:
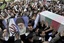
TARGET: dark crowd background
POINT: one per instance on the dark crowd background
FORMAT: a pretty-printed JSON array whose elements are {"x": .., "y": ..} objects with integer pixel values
[{"x": 20, "y": 22}]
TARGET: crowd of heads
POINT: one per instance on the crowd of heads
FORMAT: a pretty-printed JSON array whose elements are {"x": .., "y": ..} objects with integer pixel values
[{"x": 20, "y": 32}]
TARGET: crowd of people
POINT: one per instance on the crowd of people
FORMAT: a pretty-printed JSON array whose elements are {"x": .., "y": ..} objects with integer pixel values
[{"x": 20, "y": 22}]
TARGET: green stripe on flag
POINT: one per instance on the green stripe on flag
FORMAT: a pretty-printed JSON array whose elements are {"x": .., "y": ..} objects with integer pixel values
[{"x": 48, "y": 20}]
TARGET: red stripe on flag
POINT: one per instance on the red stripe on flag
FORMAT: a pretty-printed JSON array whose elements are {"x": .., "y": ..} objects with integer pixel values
[{"x": 55, "y": 24}]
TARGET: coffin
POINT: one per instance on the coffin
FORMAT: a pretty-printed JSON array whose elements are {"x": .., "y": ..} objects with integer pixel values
[{"x": 55, "y": 20}]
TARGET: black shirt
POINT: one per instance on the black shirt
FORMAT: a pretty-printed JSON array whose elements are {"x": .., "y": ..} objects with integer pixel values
[
  {"x": 18, "y": 41},
  {"x": 43, "y": 27}
]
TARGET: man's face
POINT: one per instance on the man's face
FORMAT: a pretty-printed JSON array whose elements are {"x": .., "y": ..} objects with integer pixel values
[
  {"x": 37, "y": 30},
  {"x": 30, "y": 28},
  {"x": 43, "y": 33},
  {"x": 20, "y": 25},
  {"x": 62, "y": 33}
]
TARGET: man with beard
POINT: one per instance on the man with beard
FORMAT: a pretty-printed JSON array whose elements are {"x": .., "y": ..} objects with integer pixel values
[{"x": 22, "y": 28}]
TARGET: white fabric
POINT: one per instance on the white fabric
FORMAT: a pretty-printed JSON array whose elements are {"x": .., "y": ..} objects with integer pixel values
[
  {"x": 11, "y": 33},
  {"x": 30, "y": 14},
  {"x": 40, "y": 38},
  {"x": 15, "y": 7},
  {"x": 61, "y": 28},
  {"x": 48, "y": 0},
  {"x": 50, "y": 34},
  {"x": 11, "y": 22},
  {"x": 22, "y": 31},
  {"x": 36, "y": 20},
  {"x": 16, "y": 15},
  {"x": 49, "y": 39},
  {"x": 26, "y": 34},
  {"x": 25, "y": 9},
  {"x": 6, "y": 38}
]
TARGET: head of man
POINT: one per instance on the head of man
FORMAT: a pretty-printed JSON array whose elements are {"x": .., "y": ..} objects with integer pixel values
[
  {"x": 42, "y": 33},
  {"x": 20, "y": 22},
  {"x": 30, "y": 27},
  {"x": 62, "y": 34}
]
